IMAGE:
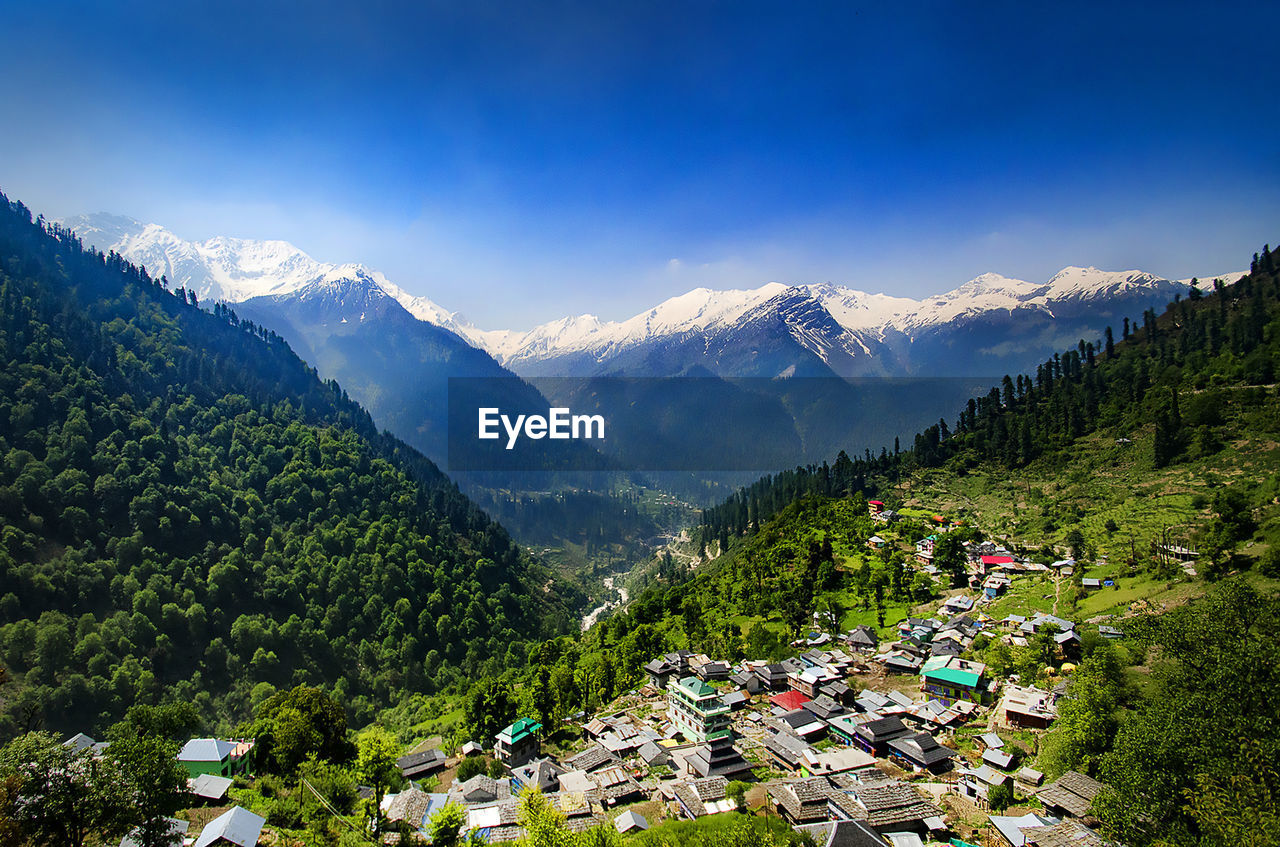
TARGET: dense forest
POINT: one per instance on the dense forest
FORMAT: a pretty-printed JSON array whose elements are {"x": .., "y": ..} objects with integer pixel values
[{"x": 188, "y": 512}]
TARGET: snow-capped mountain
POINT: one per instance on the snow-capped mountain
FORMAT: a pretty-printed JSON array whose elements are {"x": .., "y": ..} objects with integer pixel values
[
  {"x": 238, "y": 269},
  {"x": 991, "y": 324}
]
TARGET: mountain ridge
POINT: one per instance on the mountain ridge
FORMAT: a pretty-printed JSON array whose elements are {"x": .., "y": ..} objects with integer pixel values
[{"x": 862, "y": 333}]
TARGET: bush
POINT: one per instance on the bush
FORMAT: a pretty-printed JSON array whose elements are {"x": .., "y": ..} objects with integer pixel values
[
  {"x": 470, "y": 766},
  {"x": 1000, "y": 797}
]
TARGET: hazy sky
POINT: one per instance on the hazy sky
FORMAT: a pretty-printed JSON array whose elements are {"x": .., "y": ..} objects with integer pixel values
[{"x": 521, "y": 161}]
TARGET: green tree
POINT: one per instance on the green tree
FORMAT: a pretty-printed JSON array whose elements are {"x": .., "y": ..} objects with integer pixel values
[
  {"x": 155, "y": 784},
  {"x": 301, "y": 723},
  {"x": 65, "y": 796},
  {"x": 376, "y": 762}
]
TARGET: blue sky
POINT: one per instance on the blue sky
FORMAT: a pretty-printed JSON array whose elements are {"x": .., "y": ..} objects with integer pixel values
[{"x": 522, "y": 161}]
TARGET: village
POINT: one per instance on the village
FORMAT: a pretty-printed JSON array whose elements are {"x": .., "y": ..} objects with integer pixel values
[{"x": 860, "y": 738}]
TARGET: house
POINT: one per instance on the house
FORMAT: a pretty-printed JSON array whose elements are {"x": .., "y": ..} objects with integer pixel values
[
  {"x": 209, "y": 788},
  {"x": 480, "y": 789},
  {"x": 773, "y": 677},
  {"x": 997, "y": 759},
  {"x": 888, "y": 807},
  {"x": 1091, "y": 583},
  {"x": 875, "y": 507},
  {"x": 803, "y": 801},
  {"x": 749, "y": 681},
  {"x": 1029, "y": 776},
  {"x": 837, "y": 691},
  {"x": 696, "y": 710},
  {"x": 839, "y": 760},
  {"x": 654, "y": 755},
  {"x": 708, "y": 796},
  {"x": 80, "y": 742},
  {"x": 176, "y": 834},
  {"x": 659, "y": 672},
  {"x": 824, "y": 707},
  {"x": 991, "y": 741},
  {"x": 236, "y": 826},
  {"x": 950, "y": 678},
  {"x": 1110, "y": 632},
  {"x": 1065, "y": 834},
  {"x": 736, "y": 700},
  {"x": 995, "y": 585},
  {"x": 843, "y": 833},
  {"x": 887, "y": 516},
  {"x": 1028, "y": 707},
  {"x": 591, "y": 759},
  {"x": 957, "y": 605},
  {"x": 789, "y": 700},
  {"x": 718, "y": 757},
  {"x": 615, "y": 785},
  {"x": 412, "y": 806},
  {"x": 1010, "y": 828},
  {"x": 875, "y": 542},
  {"x": 543, "y": 773},
  {"x": 418, "y": 765},
  {"x": 518, "y": 743},
  {"x": 975, "y": 784},
  {"x": 803, "y": 723},
  {"x": 786, "y": 751},
  {"x": 874, "y": 736},
  {"x": 862, "y": 638},
  {"x": 921, "y": 752},
  {"x": 901, "y": 662},
  {"x": 1070, "y": 796},
  {"x": 630, "y": 821},
  {"x": 713, "y": 670},
  {"x": 215, "y": 756}
]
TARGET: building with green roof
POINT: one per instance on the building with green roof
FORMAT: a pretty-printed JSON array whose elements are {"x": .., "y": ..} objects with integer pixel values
[
  {"x": 950, "y": 678},
  {"x": 518, "y": 743},
  {"x": 697, "y": 711}
]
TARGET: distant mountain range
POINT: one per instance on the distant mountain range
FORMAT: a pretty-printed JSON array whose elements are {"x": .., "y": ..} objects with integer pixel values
[{"x": 990, "y": 325}]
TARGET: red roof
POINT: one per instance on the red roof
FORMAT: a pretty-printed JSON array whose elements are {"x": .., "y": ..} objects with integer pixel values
[
  {"x": 789, "y": 700},
  {"x": 997, "y": 560},
  {"x": 875, "y": 502}
]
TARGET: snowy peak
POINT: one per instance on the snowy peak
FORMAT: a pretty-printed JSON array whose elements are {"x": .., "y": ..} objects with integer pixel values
[{"x": 238, "y": 269}]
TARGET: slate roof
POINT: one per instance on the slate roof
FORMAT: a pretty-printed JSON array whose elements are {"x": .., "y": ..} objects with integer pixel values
[
  {"x": 653, "y": 754},
  {"x": 235, "y": 826},
  {"x": 882, "y": 730},
  {"x": 922, "y": 749},
  {"x": 786, "y": 747},
  {"x": 481, "y": 789},
  {"x": 804, "y": 800},
  {"x": 593, "y": 758},
  {"x": 893, "y": 804},
  {"x": 415, "y": 765},
  {"x": 700, "y": 793},
  {"x": 411, "y": 806},
  {"x": 1065, "y": 834},
  {"x": 544, "y": 773},
  {"x": 824, "y": 707},
  {"x": 1073, "y": 793}
]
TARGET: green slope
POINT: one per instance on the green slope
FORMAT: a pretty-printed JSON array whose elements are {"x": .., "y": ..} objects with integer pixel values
[{"x": 187, "y": 512}]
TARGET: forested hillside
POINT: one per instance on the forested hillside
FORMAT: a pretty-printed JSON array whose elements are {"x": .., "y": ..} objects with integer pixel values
[
  {"x": 1178, "y": 387},
  {"x": 187, "y": 512}
]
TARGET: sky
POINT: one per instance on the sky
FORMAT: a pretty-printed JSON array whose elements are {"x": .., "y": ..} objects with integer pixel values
[{"x": 519, "y": 161}]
